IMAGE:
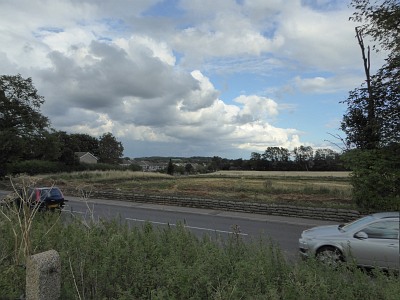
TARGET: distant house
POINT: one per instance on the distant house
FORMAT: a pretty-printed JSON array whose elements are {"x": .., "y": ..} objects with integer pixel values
[
  {"x": 151, "y": 166},
  {"x": 86, "y": 157},
  {"x": 125, "y": 162}
]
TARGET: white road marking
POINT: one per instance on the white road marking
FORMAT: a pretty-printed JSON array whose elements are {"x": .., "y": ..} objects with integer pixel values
[
  {"x": 186, "y": 226},
  {"x": 171, "y": 224},
  {"x": 79, "y": 212}
]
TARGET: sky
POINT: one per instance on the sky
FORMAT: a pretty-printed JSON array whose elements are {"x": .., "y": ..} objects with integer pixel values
[{"x": 188, "y": 78}]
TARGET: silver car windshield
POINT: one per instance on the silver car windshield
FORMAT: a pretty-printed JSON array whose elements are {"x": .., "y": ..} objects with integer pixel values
[{"x": 357, "y": 223}]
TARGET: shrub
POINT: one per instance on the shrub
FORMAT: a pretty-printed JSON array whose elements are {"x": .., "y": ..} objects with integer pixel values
[
  {"x": 33, "y": 167},
  {"x": 375, "y": 178}
]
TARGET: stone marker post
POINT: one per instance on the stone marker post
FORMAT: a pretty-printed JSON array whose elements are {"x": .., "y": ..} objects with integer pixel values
[{"x": 43, "y": 276}]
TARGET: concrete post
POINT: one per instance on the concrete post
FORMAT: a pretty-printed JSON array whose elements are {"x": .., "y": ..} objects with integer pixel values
[{"x": 43, "y": 276}]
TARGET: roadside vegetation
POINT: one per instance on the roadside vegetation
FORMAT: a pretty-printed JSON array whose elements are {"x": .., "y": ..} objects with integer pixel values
[{"x": 109, "y": 260}]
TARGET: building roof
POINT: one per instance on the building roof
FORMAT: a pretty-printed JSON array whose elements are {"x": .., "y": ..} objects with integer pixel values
[{"x": 82, "y": 154}]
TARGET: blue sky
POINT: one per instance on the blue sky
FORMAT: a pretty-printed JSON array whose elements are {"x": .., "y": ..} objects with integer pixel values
[{"x": 188, "y": 77}]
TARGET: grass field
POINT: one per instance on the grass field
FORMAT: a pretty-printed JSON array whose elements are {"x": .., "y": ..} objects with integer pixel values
[
  {"x": 281, "y": 174},
  {"x": 323, "y": 189}
]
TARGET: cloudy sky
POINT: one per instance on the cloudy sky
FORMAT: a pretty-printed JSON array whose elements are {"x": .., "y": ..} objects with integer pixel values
[{"x": 187, "y": 77}]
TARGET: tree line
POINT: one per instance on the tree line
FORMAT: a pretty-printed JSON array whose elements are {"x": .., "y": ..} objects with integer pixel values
[
  {"x": 26, "y": 135},
  {"x": 302, "y": 158}
]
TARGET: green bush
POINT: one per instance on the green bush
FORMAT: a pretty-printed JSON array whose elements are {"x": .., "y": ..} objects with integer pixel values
[
  {"x": 33, "y": 167},
  {"x": 109, "y": 260},
  {"x": 375, "y": 178}
]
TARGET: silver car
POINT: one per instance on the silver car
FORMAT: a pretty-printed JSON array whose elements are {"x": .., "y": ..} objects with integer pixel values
[{"x": 372, "y": 241}]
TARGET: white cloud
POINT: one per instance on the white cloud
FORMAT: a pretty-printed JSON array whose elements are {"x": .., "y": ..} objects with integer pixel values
[
  {"x": 110, "y": 66},
  {"x": 324, "y": 85},
  {"x": 256, "y": 107}
]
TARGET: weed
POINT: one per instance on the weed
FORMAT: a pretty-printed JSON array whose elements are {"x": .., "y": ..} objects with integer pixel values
[{"x": 109, "y": 260}]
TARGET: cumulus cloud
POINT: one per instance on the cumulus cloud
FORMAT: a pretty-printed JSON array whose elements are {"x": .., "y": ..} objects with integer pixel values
[
  {"x": 256, "y": 108},
  {"x": 114, "y": 66}
]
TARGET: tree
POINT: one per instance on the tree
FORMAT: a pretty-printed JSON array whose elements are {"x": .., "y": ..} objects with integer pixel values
[
  {"x": 256, "y": 161},
  {"x": 75, "y": 142},
  {"x": 47, "y": 147},
  {"x": 326, "y": 160},
  {"x": 372, "y": 120},
  {"x": 189, "y": 168},
  {"x": 110, "y": 150},
  {"x": 21, "y": 123},
  {"x": 304, "y": 157},
  {"x": 80, "y": 142},
  {"x": 215, "y": 164},
  {"x": 277, "y": 158},
  {"x": 170, "y": 168}
]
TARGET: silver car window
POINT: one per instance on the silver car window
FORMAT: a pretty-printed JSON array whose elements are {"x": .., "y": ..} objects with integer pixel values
[
  {"x": 357, "y": 223},
  {"x": 383, "y": 230}
]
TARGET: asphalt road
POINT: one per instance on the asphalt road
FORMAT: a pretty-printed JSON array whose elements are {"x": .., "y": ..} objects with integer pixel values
[{"x": 283, "y": 231}]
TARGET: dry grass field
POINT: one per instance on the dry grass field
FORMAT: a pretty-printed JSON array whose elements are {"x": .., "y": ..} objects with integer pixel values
[
  {"x": 323, "y": 189},
  {"x": 281, "y": 174}
]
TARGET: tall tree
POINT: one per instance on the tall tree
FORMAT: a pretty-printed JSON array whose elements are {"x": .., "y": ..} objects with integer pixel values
[
  {"x": 256, "y": 161},
  {"x": 21, "y": 122},
  {"x": 170, "y": 168},
  {"x": 110, "y": 150},
  {"x": 304, "y": 157},
  {"x": 326, "y": 160},
  {"x": 372, "y": 120},
  {"x": 81, "y": 142},
  {"x": 276, "y": 158}
]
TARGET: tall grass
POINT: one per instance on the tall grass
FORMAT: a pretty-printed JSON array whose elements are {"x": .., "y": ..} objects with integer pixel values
[
  {"x": 100, "y": 176},
  {"x": 110, "y": 260}
]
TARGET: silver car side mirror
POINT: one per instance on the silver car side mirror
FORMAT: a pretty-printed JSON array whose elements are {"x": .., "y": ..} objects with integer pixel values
[{"x": 361, "y": 235}]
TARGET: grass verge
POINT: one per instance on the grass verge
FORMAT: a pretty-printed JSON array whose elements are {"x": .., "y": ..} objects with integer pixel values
[{"x": 109, "y": 260}]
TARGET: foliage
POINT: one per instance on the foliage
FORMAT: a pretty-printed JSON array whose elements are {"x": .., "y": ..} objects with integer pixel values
[
  {"x": 75, "y": 143},
  {"x": 276, "y": 157},
  {"x": 304, "y": 159},
  {"x": 386, "y": 123},
  {"x": 110, "y": 150},
  {"x": 374, "y": 111},
  {"x": 326, "y": 159},
  {"x": 33, "y": 167},
  {"x": 376, "y": 178},
  {"x": 170, "y": 168},
  {"x": 372, "y": 120},
  {"x": 22, "y": 126},
  {"x": 25, "y": 134},
  {"x": 17, "y": 219},
  {"x": 304, "y": 156},
  {"x": 109, "y": 260},
  {"x": 380, "y": 20}
]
